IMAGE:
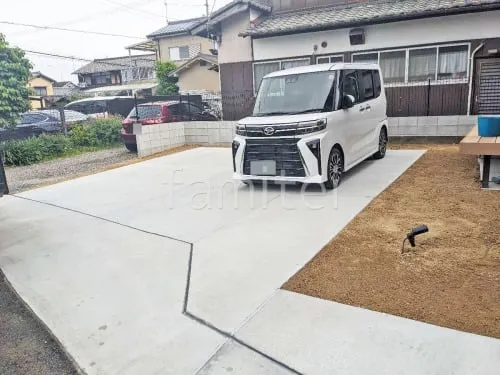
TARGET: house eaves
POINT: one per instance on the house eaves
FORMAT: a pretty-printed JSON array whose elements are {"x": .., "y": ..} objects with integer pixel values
[
  {"x": 228, "y": 11},
  {"x": 362, "y": 14},
  {"x": 201, "y": 56},
  {"x": 40, "y": 75}
]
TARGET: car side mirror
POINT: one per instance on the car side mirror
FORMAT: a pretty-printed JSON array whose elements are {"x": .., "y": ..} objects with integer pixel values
[{"x": 347, "y": 101}]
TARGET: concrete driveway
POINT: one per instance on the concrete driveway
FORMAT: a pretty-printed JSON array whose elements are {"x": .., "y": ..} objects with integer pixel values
[{"x": 168, "y": 267}]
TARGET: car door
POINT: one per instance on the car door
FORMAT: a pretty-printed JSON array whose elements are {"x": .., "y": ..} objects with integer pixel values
[
  {"x": 350, "y": 119},
  {"x": 368, "y": 124}
]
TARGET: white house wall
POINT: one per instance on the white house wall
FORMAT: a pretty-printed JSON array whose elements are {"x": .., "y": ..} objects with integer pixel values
[
  {"x": 234, "y": 48},
  {"x": 407, "y": 33}
]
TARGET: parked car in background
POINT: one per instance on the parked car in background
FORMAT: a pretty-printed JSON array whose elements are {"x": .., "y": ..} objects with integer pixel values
[
  {"x": 49, "y": 120},
  {"x": 105, "y": 106},
  {"x": 159, "y": 113}
]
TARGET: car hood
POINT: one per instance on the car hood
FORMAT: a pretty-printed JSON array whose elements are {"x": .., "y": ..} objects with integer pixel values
[{"x": 284, "y": 119}]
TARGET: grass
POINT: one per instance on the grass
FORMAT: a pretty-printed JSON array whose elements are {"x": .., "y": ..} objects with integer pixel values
[{"x": 452, "y": 277}]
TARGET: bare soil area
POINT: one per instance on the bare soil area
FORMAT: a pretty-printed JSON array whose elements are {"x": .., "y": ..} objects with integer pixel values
[{"x": 452, "y": 277}]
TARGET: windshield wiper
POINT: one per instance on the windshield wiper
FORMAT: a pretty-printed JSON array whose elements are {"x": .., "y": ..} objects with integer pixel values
[
  {"x": 262, "y": 114},
  {"x": 310, "y": 110}
]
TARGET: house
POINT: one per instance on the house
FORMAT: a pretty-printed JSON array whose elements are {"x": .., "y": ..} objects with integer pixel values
[
  {"x": 42, "y": 88},
  {"x": 126, "y": 74},
  {"x": 65, "y": 88},
  {"x": 197, "y": 65},
  {"x": 437, "y": 57}
]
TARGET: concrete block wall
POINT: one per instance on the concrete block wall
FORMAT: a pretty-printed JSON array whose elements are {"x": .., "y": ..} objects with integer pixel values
[
  {"x": 161, "y": 137},
  {"x": 431, "y": 126}
]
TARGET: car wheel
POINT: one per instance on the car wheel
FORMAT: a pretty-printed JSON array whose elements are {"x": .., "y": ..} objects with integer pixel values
[
  {"x": 132, "y": 147},
  {"x": 382, "y": 144},
  {"x": 335, "y": 169}
]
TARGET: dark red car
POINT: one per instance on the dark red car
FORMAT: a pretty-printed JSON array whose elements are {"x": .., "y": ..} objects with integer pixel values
[{"x": 159, "y": 113}]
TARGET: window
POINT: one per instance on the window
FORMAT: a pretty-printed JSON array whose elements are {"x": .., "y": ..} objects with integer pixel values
[
  {"x": 41, "y": 91},
  {"x": 393, "y": 65},
  {"x": 452, "y": 62},
  {"x": 294, "y": 63},
  {"x": 330, "y": 59},
  {"x": 366, "y": 84},
  {"x": 422, "y": 64},
  {"x": 101, "y": 78},
  {"x": 261, "y": 69},
  {"x": 365, "y": 58},
  {"x": 376, "y": 83},
  {"x": 350, "y": 84},
  {"x": 179, "y": 53}
]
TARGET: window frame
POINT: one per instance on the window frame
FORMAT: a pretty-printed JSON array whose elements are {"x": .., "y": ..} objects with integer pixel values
[
  {"x": 178, "y": 48},
  {"x": 407, "y": 50},
  {"x": 329, "y": 58}
]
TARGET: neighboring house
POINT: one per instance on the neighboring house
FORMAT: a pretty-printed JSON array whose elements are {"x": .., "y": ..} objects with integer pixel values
[
  {"x": 194, "y": 55},
  {"x": 118, "y": 74},
  {"x": 41, "y": 87},
  {"x": 66, "y": 88},
  {"x": 201, "y": 73},
  {"x": 437, "y": 57},
  {"x": 174, "y": 42}
]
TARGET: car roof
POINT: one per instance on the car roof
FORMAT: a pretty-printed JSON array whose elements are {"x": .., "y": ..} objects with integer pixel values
[
  {"x": 322, "y": 68},
  {"x": 166, "y": 102},
  {"x": 100, "y": 98}
]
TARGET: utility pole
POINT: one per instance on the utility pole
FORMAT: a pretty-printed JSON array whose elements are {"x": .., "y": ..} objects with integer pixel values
[
  {"x": 166, "y": 12},
  {"x": 208, "y": 18}
]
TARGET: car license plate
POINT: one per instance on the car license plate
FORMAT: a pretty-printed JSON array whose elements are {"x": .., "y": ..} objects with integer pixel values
[{"x": 263, "y": 168}]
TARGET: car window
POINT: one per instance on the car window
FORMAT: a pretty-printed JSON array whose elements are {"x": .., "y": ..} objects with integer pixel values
[
  {"x": 80, "y": 107},
  {"x": 31, "y": 118},
  {"x": 194, "y": 109},
  {"x": 377, "y": 85},
  {"x": 98, "y": 107},
  {"x": 366, "y": 85},
  {"x": 146, "y": 111},
  {"x": 175, "y": 109},
  {"x": 350, "y": 85}
]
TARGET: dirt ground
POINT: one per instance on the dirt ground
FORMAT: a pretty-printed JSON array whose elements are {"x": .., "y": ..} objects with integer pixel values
[{"x": 452, "y": 277}]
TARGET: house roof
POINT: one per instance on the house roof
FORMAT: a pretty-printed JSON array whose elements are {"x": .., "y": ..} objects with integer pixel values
[
  {"x": 200, "y": 56},
  {"x": 40, "y": 75},
  {"x": 117, "y": 63},
  {"x": 228, "y": 10},
  {"x": 358, "y": 14},
  {"x": 63, "y": 83},
  {"x": 176, "y": 27}
]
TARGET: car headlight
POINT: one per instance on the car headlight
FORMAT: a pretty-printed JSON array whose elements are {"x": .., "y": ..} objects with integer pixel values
[
  {"x": 311, "y": 126},
  {"x": 241, "y": 130}
]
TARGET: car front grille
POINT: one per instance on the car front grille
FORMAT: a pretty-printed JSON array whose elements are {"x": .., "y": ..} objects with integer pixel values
[
  {"x": 282, "y": 150},
  {"x": 281, "y": 130}
]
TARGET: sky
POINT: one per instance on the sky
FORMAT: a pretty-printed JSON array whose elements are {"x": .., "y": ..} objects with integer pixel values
[{"x": 134, "y": 18}]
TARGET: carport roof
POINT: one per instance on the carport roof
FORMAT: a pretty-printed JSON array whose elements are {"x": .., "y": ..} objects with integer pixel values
[{"x": 368, "y": 12}]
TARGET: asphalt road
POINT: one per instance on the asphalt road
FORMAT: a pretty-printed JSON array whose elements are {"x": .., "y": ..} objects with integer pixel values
[{"x": 25, "y": 345}]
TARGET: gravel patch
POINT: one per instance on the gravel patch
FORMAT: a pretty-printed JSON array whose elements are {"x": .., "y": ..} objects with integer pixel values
[
  {"x": 31, "y": 176},
  {"x": 25, "y": 345}
]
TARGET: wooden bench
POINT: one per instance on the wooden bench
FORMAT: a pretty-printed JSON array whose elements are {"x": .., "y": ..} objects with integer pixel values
[{"x": 473, "y": 144}]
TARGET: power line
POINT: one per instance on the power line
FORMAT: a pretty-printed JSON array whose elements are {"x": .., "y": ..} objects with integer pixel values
[
  {"x": 68, "y": 30},
  {"x": 67, "y": 57}
]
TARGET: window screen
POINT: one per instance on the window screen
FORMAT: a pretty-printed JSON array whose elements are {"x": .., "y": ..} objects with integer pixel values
[
  {"x": 393, "y": 66},
  {"x": 452, "y": 62}
]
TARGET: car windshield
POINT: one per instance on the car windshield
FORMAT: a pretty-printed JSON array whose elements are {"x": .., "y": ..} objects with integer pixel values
[
  {"x": 146, "y": 111},
  {"x": 295, "y": 93}
]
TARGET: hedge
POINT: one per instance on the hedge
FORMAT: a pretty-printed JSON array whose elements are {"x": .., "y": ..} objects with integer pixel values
[{"x": 100, "y": 133}]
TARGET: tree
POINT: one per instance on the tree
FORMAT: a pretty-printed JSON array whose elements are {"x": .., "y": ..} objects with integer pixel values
[
  {"x": 14, "y": 74},
  {"x": 166, "y": 85}
]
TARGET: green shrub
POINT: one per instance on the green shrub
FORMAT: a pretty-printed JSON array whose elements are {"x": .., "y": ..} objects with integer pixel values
[
  {"x": 23, "y": 152},
  {"x": 99, "y": 133}
]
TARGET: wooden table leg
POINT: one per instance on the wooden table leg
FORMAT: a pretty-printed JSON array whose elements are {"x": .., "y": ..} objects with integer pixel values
[{"x": 486, "y": 171}]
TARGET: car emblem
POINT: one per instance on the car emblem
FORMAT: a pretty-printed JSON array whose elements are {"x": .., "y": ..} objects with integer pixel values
[{"x": 268, "y": 130}]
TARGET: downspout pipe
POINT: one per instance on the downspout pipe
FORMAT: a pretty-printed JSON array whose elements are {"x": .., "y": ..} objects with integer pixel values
[{"x": 469, "y": 101}]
